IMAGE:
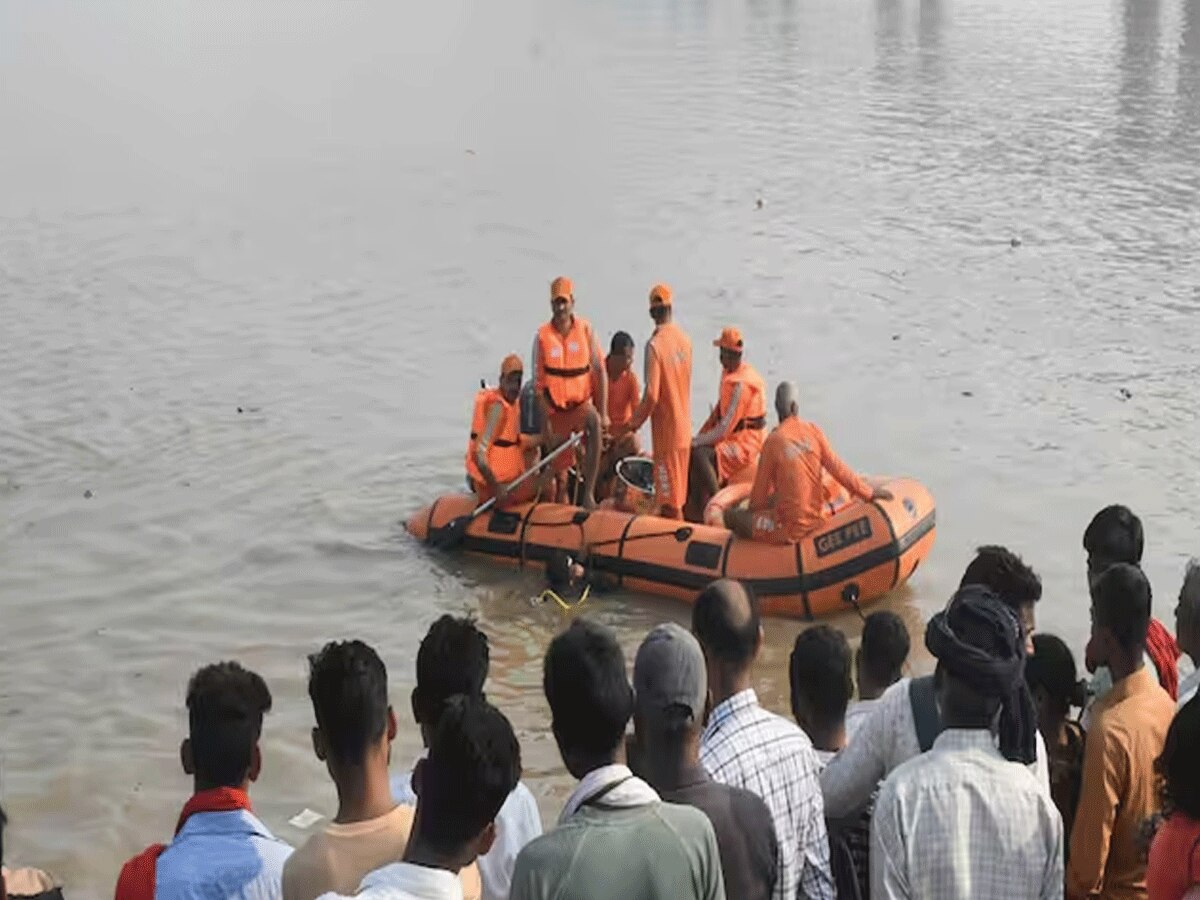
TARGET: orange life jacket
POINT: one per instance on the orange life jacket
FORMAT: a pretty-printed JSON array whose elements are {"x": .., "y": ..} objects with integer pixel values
[
  {"x": 505, "y": 456},
  {"x": 565, "y": 364},
  {"x": 753, "y": 411}
]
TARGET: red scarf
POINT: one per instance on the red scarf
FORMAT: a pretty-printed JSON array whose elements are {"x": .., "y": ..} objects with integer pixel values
[
  {"x": 140, "y": 875},
  {"x": 1164, "y": 652}
]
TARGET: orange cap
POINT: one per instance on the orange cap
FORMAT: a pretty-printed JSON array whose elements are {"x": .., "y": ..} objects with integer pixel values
[
  {"x": 730, "y": 339},
  {"x": 562, "y": 287},
  {"x": 660, "y": 295},
  {"x": 512, "y": 363}
]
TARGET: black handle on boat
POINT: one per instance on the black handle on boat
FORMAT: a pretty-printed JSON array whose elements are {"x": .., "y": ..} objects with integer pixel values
[
  {"x": 682, "y": 533},
  {"x": 450, "y": 535}
]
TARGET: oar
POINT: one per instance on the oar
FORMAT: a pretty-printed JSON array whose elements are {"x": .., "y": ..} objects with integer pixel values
[{"x": 450, "y": 535}]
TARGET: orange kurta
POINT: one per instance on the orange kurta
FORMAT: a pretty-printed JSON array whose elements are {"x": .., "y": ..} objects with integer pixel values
[
  {"x": 790, "y": 472},
  {"x": 624, "y": 394},
  {"x": 739, "y": 450},
  {"x": 669, "y": 389}
]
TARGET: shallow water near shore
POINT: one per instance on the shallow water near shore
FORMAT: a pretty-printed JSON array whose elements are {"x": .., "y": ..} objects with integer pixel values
[{"x": 255, "y": 258}]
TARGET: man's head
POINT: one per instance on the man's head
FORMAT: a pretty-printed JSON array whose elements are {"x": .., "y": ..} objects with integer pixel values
[
  {"x": 670, "y": 688},
  {"x": 980, "y": 649},
  {"x": 563, "y": 571},
  {"x": 474, "y": 763},
  {"x": 347, "y": 683},
  {"x": 1187, "y": 612},
  {"x": 452, "y": 659},
  {"x": 562, "y": 300},
  {"x": 1010, "y": 579},
  {"x": 620, "y": 354},
  {"x": 787, "y": 400},
  {"x": 1113, "y": 536},
  {"x": 1177, "y": 763},
  {"x": 661, "y": 301},
  {"x": 819, "y": 672},
  {"x": 590, "y": 699},
  {"x": 1052, "y": 678},
  {"x": 226, "y": 705},
  {"x": 1120, "y": 617},
  {"x": 882, "y": 654},
  {"x": 512, "y": 373},
  {"x": 725, "y": 620},
  {"x": 731, "y": 346}
]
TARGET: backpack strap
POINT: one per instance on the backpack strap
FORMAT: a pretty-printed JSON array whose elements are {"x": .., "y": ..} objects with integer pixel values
[{"x": 925, "y": 711}]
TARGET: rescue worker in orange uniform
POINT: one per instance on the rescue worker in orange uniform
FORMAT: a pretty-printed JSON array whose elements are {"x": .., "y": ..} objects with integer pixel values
[
  {"x": 624, "y": 394},
  {"x": 728, "y": 446},
  {"x": 496, "y": 453},
  {"x": 786, "y": 500},
  {"x": 667, "y": 403},
  {"x": 568, "y": 371}
]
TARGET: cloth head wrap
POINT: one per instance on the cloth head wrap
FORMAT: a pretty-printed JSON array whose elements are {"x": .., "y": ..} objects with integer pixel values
[{"x": 978, "y": 640}]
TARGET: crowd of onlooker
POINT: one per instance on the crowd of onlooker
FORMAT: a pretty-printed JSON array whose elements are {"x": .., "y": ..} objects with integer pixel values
[{"x": 1001, "y": 775}]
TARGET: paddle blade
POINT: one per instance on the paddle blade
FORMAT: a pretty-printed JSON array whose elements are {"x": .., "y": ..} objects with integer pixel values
[{"x": 450, "y": 535}]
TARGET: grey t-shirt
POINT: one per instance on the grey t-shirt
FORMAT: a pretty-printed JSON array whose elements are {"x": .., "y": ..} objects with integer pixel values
[{"x": 745, "y": 833}]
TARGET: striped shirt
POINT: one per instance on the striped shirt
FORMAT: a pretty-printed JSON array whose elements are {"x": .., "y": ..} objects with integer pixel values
[
  {"x": 963, "y": 823},
  {"x": 746, "y": 746}
]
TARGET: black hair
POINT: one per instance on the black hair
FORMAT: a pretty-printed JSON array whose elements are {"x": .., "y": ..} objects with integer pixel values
[
  {"x": 1008, "y": 576},
  {"x": 473, "y": 765},
  {"x": 1114, "y": 536},
  {"x": 885, "y": 646},
  {"x": 1177, "y": 764},
  {"x": 589, "y": 694},
  {"x": 347, "y": 683},
  {"x": 620, "y": 341},
  {"x": 720, "y": 624},
  {"x": 1051, "y": 669},
  {"x": 558, "y": 570},
  {"x": 226, "y": 705},
  {"x": 819, "y": 671},
  {"x": 1121, "y": 603},
  {"x": 452, "y": 659}
]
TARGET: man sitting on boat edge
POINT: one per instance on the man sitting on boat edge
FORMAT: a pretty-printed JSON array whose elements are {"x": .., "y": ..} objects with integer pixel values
[
  {"x": 785, "y": 502},
  {"x": 496, "y": 453}
]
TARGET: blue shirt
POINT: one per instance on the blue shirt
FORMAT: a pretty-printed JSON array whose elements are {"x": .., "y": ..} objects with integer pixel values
[{"x": 222, "y": 856}]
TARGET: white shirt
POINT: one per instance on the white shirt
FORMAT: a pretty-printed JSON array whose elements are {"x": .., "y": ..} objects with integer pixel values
[
  {"x": 517, "y": 823},
  {"x": 749, "y": 747},
  {"x": 406, "y": 881},
  {"x": 1187, "y": 687},
  {"x": 886, "y": 738},
  {"x": 963, "y": 823},
  {"x": 856, "y": 715}
]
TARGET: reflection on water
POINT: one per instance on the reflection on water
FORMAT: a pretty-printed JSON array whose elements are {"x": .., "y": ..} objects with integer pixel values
[{"x": 254, "y": 260}]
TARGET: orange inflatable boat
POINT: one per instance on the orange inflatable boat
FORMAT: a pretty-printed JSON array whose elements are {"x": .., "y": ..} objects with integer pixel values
[{"x": 859, "y": 554}]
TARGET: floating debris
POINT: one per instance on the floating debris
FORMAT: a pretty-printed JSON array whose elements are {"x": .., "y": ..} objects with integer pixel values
[
  {"x": 968, "y": 394},
  {"x": 758, "y": 203},
  {"x": 1015, "y": 242},
  {"x": 88, "y": 495},
  {"x": 1125, "y": 394},
  {"x": 240, "y": 410}
]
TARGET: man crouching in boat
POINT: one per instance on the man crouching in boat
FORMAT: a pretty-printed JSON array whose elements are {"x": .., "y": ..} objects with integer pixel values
[
  {"x": 496, "y": 452},
  {"x": 728, "y": 446},
  {"x": 785, "y": 502}
]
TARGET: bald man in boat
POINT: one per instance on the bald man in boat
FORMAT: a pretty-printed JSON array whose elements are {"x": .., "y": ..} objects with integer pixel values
[
  {"x": 786, "y": 500},
  {"x": 728, "y": 446},
  {"x": 568, "y": 368},
  {"x": 667, "y": 403}
]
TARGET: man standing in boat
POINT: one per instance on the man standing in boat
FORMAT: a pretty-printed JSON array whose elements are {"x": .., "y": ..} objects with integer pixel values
[
  {"x": 729, "y": 443},
  {"x": 568, "y": 367},
  {"x": 496, "y": 451},
  {"x": 785, "y": 502},
  {"x": 667, "y": 403}
]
